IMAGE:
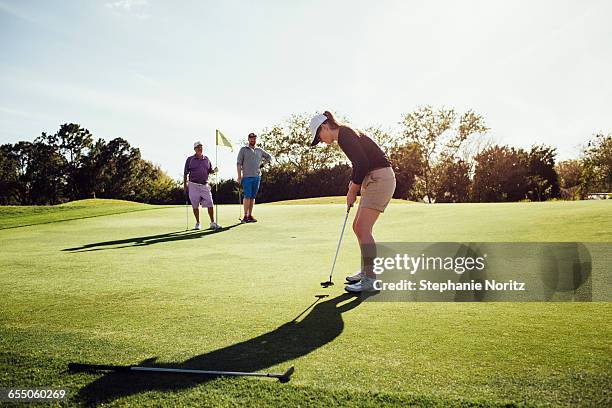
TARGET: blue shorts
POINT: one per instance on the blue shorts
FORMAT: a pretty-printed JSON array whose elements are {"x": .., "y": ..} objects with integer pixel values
[{"x": 250, "y": 186}]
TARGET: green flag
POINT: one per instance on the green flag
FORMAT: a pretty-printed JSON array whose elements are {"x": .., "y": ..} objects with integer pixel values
[{"x": 223, "y": 141}]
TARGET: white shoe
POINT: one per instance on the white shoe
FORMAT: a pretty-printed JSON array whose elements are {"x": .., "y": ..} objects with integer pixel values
[
  {"x": 197, "y": 226},
  {"x": 364, "y": 285},
  {"x": 214, "y": 225},
  {"x": 354, "y": 278}
]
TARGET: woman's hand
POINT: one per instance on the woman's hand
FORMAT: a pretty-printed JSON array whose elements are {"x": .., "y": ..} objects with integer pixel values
[
  {"x": 351, "y": 196},
  {"x": 350, "y": 199}
]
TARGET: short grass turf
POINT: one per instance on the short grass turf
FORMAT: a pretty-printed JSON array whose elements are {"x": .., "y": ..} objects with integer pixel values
[
  {"x": 135, "y": 288},
  {"x": 19, "y": 216},
  {"x": 326, "y": 200}
]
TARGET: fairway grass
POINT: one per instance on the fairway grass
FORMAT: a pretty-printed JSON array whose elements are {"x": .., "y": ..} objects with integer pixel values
[
  {"x": 326, "y": 200},
  {"x": 23, "y": 216},
  {"x": 135, "y": 288}
]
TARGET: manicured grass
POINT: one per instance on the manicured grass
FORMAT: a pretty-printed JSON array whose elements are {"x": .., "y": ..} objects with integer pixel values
[
  {"x": 19, "y": 216},
  {"x": 136, "y": 288},
  {"x": 326, "y": 200}
]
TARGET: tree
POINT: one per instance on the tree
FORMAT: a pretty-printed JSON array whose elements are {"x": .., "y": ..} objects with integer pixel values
[
  {"x": 72, "y": 142},
  {"x": 154, "y": 186},
  {"x": 452, "y": 181},
  {"x": 118, "y": 170},
  {"x": 472, "y": 147},
  {"x": 542, "y": 178},
  {"x": 500, "y": 175},
  {"x": 385, "y": 140},
  {"x": 597, "y": 165},
  {"x": 570, "y": 172},
  {"x": 31, "y": 173},
  {"x": 67, "y": 165},
  {"x": 407, "y": 164},
  {"x": 45, "y": 175},
  {"x": 439, "y": 135},
  {"x": 539, "y": 188},
  {"x": 9, "y": 176},
  {"x": 89, "y": 176},
  {"x": 21, "y": 154}
]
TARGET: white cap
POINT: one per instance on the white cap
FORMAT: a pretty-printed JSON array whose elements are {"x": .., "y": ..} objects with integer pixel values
[
  {"x": 196, "y": 144},
  {"x": 315, "y": 122}
]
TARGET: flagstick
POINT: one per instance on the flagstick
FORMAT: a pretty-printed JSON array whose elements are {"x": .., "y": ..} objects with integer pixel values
[{"x": 217, "y": 177}]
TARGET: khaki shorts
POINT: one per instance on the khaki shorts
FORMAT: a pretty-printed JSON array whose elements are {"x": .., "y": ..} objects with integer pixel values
[{"x": 377, "y": 189}]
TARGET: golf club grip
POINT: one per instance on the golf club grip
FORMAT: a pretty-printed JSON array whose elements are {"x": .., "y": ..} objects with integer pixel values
[{"x": 96, "y": 367}]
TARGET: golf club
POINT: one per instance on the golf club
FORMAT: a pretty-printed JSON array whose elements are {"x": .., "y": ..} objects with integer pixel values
[
  {"x": 329, "y": 282},
  {"x": 284, "y": 377}
]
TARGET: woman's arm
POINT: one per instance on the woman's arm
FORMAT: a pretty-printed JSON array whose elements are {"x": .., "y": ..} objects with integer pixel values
[{"x": 351, "y": 196}]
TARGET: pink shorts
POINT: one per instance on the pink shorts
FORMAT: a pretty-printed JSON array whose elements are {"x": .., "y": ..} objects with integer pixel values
[{"x": 200, "y": 194}]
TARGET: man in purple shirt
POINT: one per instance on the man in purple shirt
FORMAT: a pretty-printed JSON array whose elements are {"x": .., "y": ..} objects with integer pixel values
[{"x": 198, "y": 167}]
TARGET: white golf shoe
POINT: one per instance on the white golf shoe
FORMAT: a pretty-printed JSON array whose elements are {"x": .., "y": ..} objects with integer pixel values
[
  {"x": 364, "y": 285},
  {"x": 354, "y": 278},
  {"x": 197, "y": 226},
  {"x": 214, "y": 225}
]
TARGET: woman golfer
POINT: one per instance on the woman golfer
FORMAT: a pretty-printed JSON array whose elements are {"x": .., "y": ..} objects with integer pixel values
[{"x": 372, "y": 176}]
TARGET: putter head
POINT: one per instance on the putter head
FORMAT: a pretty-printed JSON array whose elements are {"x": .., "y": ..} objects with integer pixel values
[
  {"x": 327, "y": 284},
  {"x": 321, "y": 296},
  {"x": 286, "y": 375}
]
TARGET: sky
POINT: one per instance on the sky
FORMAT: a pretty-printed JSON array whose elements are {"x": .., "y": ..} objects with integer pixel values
[{"x": 162, "y": 74}]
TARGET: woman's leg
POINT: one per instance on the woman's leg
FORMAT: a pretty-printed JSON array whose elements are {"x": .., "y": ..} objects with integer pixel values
[{"x": 362, "y": 226}]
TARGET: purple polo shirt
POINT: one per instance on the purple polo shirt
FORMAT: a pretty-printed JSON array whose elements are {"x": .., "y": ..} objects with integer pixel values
[{"x": 198, "y": 169}]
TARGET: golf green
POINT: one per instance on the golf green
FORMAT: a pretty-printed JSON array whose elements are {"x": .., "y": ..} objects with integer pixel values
[{"x": 136, "y": 288}]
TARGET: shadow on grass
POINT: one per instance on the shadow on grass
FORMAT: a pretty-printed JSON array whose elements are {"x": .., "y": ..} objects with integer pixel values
[
  {"x": 148, "y": 240},
  {"x": 287, "y": 342}
]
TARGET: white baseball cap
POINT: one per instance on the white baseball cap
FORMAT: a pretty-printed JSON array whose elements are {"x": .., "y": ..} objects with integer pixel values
[
  {"x": 315, "y": 122},
  {"x": 196, "y": 144}
]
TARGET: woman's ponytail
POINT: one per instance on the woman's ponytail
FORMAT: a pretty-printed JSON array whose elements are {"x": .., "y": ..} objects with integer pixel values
[{"x": 331, "y": 120}]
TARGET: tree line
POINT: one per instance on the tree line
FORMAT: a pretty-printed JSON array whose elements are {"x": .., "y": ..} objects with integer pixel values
[
  {"x": 438, "y": 155},
  {"x": 69, "y": 165}
]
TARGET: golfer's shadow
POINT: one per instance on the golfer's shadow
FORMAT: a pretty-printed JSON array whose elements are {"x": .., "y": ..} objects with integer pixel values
[
  {"x": 291, "y": 340},
  {"x": 148, "y": 240}
]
